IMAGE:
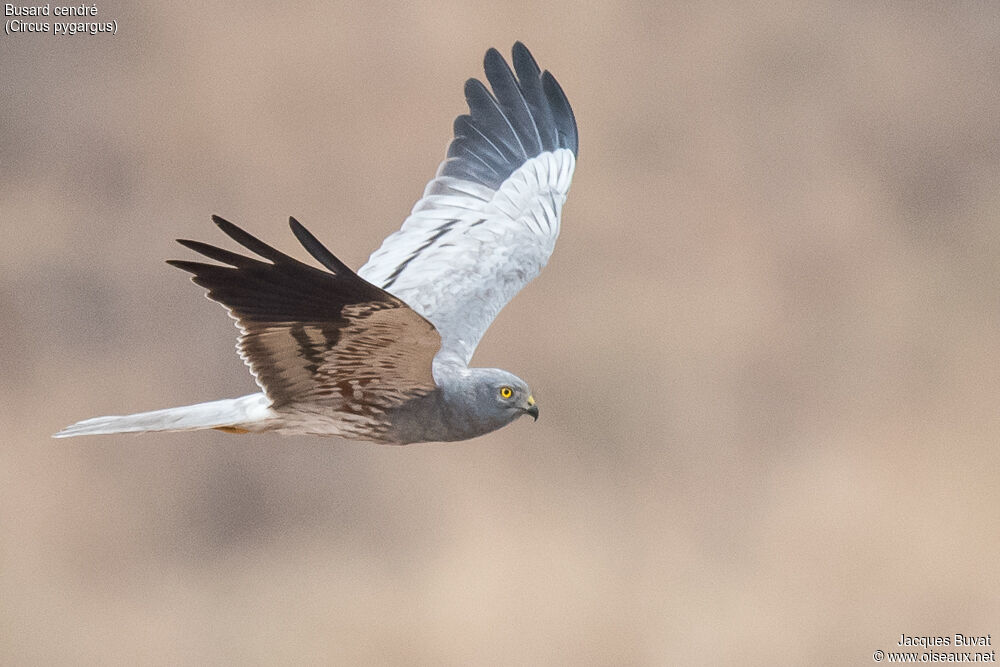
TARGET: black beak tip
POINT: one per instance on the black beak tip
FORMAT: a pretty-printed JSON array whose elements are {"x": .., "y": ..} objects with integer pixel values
[{"x": 533, "y": 411}]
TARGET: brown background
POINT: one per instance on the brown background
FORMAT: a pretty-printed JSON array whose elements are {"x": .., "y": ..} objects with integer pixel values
[{"x": 766, "y": 349}]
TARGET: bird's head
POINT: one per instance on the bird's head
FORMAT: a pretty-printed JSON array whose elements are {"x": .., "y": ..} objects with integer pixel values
[
  {"x": 514, "y": 397},
  {"x": 499, "y": 397}
]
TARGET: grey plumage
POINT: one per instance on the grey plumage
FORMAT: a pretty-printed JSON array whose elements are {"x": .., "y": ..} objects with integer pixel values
[{"x": 383, "y": 354}]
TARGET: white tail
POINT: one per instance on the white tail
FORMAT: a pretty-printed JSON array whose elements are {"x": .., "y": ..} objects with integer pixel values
[{"x": 245, "y": 413}]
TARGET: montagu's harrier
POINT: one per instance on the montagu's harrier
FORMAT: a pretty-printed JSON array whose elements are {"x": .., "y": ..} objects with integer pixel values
[{"x": 383, "y": 354}]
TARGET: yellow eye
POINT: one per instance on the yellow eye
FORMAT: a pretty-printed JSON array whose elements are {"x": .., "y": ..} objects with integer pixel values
[{"x": 506, "y": 392}]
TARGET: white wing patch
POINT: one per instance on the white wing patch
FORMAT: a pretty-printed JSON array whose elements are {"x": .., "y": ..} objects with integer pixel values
[{"x": 466, "y": 250}]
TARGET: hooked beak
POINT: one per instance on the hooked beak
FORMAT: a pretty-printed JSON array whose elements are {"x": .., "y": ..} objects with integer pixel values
[{"x": 532, "y": 409}]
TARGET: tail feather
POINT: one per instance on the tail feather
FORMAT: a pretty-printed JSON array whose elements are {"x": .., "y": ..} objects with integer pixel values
[{"x": 247, "y": 413}]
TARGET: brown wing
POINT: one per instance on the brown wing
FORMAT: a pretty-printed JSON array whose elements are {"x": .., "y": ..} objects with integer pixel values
[{"x": 314, "y": 336}]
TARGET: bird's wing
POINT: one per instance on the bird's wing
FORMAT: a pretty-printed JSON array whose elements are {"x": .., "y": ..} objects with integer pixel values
[
  {"x": 488, "y": 222},
  {"x": 314, "y": 336}
]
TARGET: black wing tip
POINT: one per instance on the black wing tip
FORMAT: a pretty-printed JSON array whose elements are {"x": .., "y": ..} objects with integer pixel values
[
  {"x": 563, "y": 111},
  {"x": 315, "y": 248},
  {"x": 187, "y": 265},
  {"x": 514, "y": 114},
  {"x": 283, "y": 290},
  {"x": 494, "y": 64},
  {"x": 475, "y": 89},
  {"x": 232, "y": 230},
  {"x": 518, "y": 51},
  {"x": 250, "y": 242},
  {"x": 222, "y": 223},
  {"x": 524, "y": 62},
  {"x": 304, "y": 236},
  {"x": 492, "y": 55},
  {"x": 188, "y": 243}
]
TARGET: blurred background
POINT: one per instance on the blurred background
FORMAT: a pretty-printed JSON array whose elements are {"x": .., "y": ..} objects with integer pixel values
[{"x": 766, "y": 348}]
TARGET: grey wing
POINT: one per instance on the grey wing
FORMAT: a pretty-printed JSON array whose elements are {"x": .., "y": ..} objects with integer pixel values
[
  {"x": 489, "y": 220},
  {"x": 314, "y": 336}
]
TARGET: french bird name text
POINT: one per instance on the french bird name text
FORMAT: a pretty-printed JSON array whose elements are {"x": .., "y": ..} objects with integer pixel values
[{"x": 26, "y": 20}]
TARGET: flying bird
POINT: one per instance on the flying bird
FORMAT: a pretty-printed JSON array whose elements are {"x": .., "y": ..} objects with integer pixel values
[{"x": 383, "y": 354}]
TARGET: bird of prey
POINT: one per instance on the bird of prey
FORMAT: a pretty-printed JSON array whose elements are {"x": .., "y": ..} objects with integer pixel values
[{"x": 383, "y": 354}]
